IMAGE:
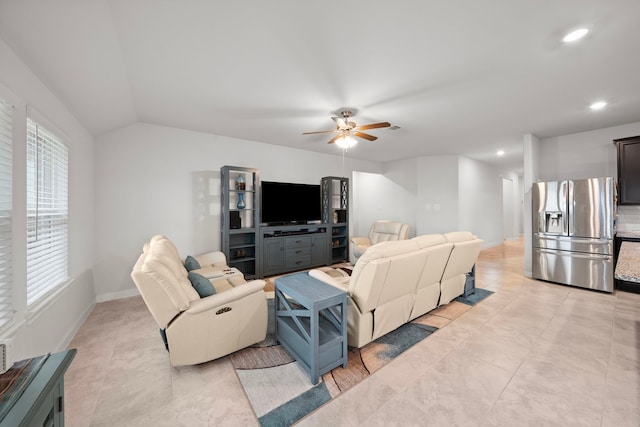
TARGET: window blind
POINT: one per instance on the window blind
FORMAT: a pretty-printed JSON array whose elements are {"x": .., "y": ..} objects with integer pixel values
[
  {"x": 47, "y": 212},
  {"x": 6, "y": 206}
]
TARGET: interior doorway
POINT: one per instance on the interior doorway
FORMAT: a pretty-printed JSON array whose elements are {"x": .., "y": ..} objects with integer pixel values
[{"x": 508, "y": 214}]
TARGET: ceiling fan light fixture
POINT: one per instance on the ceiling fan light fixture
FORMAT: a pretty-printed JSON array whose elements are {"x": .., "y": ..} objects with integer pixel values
[{"x": 346, "y": 141}]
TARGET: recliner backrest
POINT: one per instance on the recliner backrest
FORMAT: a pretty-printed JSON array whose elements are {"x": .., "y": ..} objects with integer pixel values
[
  {"x": 162, "y": 280},
  {"x": 384, "y": 231},
  {"x": 462, "y": 258},
  {"x": 385, "y": 271},
  {"x": 465, "y": 252},
  {"x": 438, "y": 251}
]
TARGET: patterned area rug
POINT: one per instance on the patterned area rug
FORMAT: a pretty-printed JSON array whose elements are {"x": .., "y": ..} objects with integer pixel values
[{"x": 281, "y": 392}]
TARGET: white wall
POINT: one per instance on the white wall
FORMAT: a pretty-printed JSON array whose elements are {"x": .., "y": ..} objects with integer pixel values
[
  {"x": 582, "y": 155},
  {"x": 531, "y": 154},
  {"x": 51, "y": 328},
  {"x": 507, "y": 209},
  {"x": 433, "y": 195},
  {"x": 437, "y": 203},
  {"x": 520, "y": 206},
  {"x": 404, "y": 176},
  {"x": 378, "y": 196},
  {"x": 153, "y": 179},
  {"x": 480, "y": 200},
  {"x": 512, "y": 205}
]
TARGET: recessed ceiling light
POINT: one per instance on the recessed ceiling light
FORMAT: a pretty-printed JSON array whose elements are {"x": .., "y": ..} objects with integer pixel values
[
  {"x": 575, "y": 35},
  {"x": 500, "y": 152},
  {"x": 598, "y": 105}
]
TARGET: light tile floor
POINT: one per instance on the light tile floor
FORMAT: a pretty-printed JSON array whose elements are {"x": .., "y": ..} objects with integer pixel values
[{"x": 532, "y": 354}]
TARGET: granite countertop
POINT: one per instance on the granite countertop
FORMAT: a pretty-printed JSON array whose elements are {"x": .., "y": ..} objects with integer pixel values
[
  {"x": 628, "y": 265},
  {"x": 628, "y": 234}
]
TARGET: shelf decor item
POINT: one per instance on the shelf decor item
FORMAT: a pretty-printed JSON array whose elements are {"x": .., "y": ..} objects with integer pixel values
[
  {"x": 240, "y": 186},
  {"x": 241, "y": 203}
]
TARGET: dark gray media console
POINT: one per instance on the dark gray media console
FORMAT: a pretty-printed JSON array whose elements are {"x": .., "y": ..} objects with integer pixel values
[{"x": 290, "y": 248}]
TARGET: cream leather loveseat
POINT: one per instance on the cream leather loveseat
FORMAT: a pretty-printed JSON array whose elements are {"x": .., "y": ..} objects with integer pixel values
[
  {"x": 199, "y": 329},
  {"x": 394, "y": 282}
]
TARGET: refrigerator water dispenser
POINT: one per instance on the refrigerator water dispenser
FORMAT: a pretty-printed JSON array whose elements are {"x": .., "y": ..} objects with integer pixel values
[{"x": 552, "y": 222}]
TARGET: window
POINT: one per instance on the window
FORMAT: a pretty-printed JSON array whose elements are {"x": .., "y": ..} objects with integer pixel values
[
  {"x": 6, "y": 186},
  {"x": 47, "y": 212}
]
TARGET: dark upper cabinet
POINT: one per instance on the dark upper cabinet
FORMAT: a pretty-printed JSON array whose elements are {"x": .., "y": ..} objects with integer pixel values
[{"x": 628, "y": 170}]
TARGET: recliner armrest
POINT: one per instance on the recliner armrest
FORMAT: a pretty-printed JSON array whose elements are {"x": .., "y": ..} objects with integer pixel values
[
  {"x": 364, "y": 241},
  {"x": 215, "y": 259},
  {"x": 226, "y": 297},
  {"x": 324, "y": 277}
]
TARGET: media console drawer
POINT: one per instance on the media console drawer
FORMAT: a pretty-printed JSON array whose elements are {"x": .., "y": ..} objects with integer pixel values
[
  {"x": 297, "y": 241},
  {"x": 301, "y": 251},
  {"x": 291, "y": 248},
  {"x": 297, "y": 252}
]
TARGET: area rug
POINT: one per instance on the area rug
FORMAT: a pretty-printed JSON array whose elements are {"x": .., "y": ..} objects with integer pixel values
[{"x": 281, "y": 393}]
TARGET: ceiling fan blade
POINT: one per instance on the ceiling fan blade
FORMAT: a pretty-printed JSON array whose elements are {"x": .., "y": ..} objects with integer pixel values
[
  {"x": 365, "y": 136},
  {"x": 320, "y": 131},
  {"x": 374, "y": 126},
  {"x": 334, "y": 139}
]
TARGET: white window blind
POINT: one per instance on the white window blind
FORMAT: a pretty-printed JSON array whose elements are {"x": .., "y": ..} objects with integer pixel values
[
  {"x": 47, "y": 211},
  {"x": 6, "y": 187}
]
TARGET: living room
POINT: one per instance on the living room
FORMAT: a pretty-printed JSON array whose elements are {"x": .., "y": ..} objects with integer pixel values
[{"x": 139, "y": 177}]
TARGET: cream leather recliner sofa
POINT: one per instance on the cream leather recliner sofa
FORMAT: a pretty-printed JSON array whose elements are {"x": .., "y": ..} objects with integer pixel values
[
  {"x": 199, "y": 329},
  {"x": 380, "y": 231},
  {"x": 394, "y": 282}
]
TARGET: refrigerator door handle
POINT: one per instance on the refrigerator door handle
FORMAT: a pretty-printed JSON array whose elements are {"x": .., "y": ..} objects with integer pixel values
[
  {"x": 568, "y": 202},
  {"x": 581, "y": 255}
]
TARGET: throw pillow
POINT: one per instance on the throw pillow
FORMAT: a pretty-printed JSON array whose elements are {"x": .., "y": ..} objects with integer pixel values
[
  {"x": 201, "y": 284},
  {"x": 190, "y": 263}
]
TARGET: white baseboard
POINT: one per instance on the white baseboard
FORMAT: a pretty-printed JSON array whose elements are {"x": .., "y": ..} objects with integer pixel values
[
  {"x": 66, "y": 340},
  {"x": 110, "y": 296},
  {"x": 491, "y": 245}
]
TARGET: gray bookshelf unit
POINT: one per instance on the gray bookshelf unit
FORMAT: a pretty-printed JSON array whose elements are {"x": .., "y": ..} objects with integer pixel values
[
  {"x": 335, "y": 213},
  {"x": 240, "y": 204}
]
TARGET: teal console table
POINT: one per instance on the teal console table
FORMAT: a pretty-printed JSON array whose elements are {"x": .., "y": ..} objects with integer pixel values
[
  {"x": 33, "y": 391},
  {"x": 311, "y": 323}
]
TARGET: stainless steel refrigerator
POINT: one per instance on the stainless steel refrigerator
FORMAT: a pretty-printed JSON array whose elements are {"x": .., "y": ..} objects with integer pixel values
[{"x": 573, "y": 232}]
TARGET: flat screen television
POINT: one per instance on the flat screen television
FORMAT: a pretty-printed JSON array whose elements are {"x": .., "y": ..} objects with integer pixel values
[{"x": 288, "y": 203}]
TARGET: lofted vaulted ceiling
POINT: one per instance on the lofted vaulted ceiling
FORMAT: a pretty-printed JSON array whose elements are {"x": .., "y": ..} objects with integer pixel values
[{"x": 460, "y": 77}]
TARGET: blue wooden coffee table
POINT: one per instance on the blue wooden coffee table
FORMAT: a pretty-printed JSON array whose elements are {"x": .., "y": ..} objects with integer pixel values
[{"x": 311, "y": 323}]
